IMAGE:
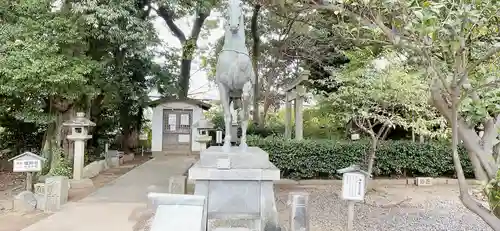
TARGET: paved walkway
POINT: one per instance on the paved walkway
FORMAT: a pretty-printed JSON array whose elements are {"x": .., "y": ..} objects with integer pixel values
[{"x": 109, "y": 208}]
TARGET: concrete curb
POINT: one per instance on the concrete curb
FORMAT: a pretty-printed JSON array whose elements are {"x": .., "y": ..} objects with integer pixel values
[{"x": 406, "y": 181}]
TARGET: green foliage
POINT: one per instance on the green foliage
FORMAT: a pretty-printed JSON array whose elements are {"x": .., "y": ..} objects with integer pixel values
[
  {"x": 320, "y": 158},
  {"x": 381, "y": 91},
  {"x": 61, "y": 166}
]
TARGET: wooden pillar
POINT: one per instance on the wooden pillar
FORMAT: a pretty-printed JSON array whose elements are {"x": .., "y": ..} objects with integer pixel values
[
  {"x": 288, "y": 116},
  {"x": 299, "y": 103}
]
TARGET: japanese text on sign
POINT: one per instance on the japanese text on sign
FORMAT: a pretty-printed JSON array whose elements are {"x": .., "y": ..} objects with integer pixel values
[{"x": 27, "y": 166}]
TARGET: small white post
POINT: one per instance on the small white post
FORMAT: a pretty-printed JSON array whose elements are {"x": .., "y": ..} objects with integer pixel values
[
  {"x": 299, "y": 217},
  {"x": 350, "y": 215},
  {"x": 29, "y": 181}
]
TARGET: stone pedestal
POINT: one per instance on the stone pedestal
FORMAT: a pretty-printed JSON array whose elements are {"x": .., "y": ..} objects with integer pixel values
[
  {"x": 239, "y": 188},
  {"x": 56, "y": 193},
  {"x": 203, "y": 140}
]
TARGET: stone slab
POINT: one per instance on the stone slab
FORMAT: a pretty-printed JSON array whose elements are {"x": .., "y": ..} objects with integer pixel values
[
  {"x": 93, "y": 169},
  {"x": 156, "y": 199},
  {"x": 177, "y": 184},
  {"x": 25, "y": 202},
  {"x": 252, "y": 157},
  {"x": 82, "y": 183},
  {"x": 178, "y": 218},
  {"x": 234, "y": 197},
  {"x": 198, "y": 172},
  {"x": 232, "y": 229},
  {"x": 56, "y": 193}
]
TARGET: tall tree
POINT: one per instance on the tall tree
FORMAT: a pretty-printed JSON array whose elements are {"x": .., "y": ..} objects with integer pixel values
[
  {"x": 454, "y": 42},
  {"x": 377, "y": 98},
  {"x": 170, "y": 11}
]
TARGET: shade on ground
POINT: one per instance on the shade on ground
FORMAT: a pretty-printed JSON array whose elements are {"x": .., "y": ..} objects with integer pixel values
[{"x": 109, "y": 208}]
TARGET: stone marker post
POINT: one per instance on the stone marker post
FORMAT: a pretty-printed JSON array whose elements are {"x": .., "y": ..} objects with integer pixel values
[
  {"x": 299, "y": 217},
  {"x": 79, "y": 134}
]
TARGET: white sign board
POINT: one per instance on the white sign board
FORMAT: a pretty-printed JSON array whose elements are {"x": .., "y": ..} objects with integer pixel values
[
  {"x": 223, "y": 163},
  {"x": 27, "y": 165},
  {"x": 172, "y": 121},
  {"x": 184, "y": 138},
  {"x": 353, "y": 186},
  {"x": 218, "y": 137},
  {"x": 185, "y": 119},
  {"x": 143, "y": 137}
]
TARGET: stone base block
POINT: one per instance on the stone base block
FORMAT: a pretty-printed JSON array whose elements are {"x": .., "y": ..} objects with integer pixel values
[
  {"x": 252, "y": 157},
  {"x": 128, "y": 157},
  {"x": 83, "y": 183},
  {"x": 232, "y": 229},
  {"x": 25, "y": 202}
]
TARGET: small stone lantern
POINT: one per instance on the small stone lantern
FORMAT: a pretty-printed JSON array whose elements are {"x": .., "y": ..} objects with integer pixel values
[
  {"x": 79, "y": 134},
  {"x": 203, "y": 127}
]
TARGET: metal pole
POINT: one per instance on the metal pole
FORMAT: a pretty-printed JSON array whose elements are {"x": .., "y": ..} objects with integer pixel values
[
  {"x": 350, "y": 215},
  {"x": 299, "y": 217}
]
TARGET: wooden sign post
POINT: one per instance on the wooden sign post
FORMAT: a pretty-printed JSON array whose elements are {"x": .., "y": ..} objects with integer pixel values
[
  {"x": 353, "y": 190},
  {"x": 27, "y": 162}
]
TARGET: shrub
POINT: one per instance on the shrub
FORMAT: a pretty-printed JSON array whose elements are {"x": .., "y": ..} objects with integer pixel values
[
  {"x": 62, "y": 167},
  {"x": 308, "y": 159}
]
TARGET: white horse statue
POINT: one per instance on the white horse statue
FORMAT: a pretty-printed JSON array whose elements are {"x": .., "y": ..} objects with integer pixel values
[{"x": 234, "y": 73}]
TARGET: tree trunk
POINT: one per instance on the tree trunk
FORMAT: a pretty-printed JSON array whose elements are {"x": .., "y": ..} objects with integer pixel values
[
  {"x": 188, "y": 45},
  {"x": 265, "y": 110},
  {"x": 478, "y": 169},
  {"x": 53, "y": 136},
  {"x": 468, "y": 135},
  {"x": 371, "y": 157},
  {"x": 255, "y": 62}
]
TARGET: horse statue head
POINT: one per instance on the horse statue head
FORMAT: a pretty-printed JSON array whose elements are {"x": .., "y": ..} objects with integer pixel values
[{"x": 235, "y": 14}]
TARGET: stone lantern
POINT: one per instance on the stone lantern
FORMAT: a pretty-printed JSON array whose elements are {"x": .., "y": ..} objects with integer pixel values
[
  {"x": 79, "y": 134},
  {"x": 203, "y": 126}
]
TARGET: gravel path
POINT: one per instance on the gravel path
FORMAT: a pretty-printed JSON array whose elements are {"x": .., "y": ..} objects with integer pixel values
[{"x": 430, "y": 209}]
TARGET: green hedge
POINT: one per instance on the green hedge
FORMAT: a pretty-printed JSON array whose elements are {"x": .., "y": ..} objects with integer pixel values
[{"x": 308, "y": 159}]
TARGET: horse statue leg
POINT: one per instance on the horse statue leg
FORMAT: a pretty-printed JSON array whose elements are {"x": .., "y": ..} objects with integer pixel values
[
  {"x": 245, "y": 113},
  {"x": 224, "y": 98}
]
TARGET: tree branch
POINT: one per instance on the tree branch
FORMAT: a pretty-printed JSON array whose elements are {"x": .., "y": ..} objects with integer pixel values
[
  {"x": 168, "y": 16},
  {"x": 468, "y": 136},
  {"x": 198, "y": 24}
]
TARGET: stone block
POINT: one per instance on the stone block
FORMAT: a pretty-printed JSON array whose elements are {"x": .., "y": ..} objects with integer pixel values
[
  {"x": 423, "y": 181},
  {"x": 128, "y": 157},
  {"x": 177, "y": 185},
  {"x": 114, "y": 162},
  {"x": 252, "y": 157},
  {"x": 232, "y": 229},
  {"x": 240, "y": 192},
  {"x": 156, "y": 199},
  {"x": 177, "y": 212},
  {"x": 56, "y": 193},
  {"x": 93, "y": 169},
  {"x": 79, "y": 184},
  {"x": 104, "y": 164},
  {"x": 196, "y": 172},
  {"x": 235, "y": 197},
  {"x": 25, "y": 202},
  {"x": 40, "y": 195}
]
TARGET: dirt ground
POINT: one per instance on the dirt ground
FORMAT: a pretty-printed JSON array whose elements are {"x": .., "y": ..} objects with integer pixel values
[{"x": 13, "y": 183}]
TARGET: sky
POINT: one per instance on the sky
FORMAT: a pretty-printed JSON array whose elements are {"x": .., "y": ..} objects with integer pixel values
[{"x": 199, "y": 87}]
